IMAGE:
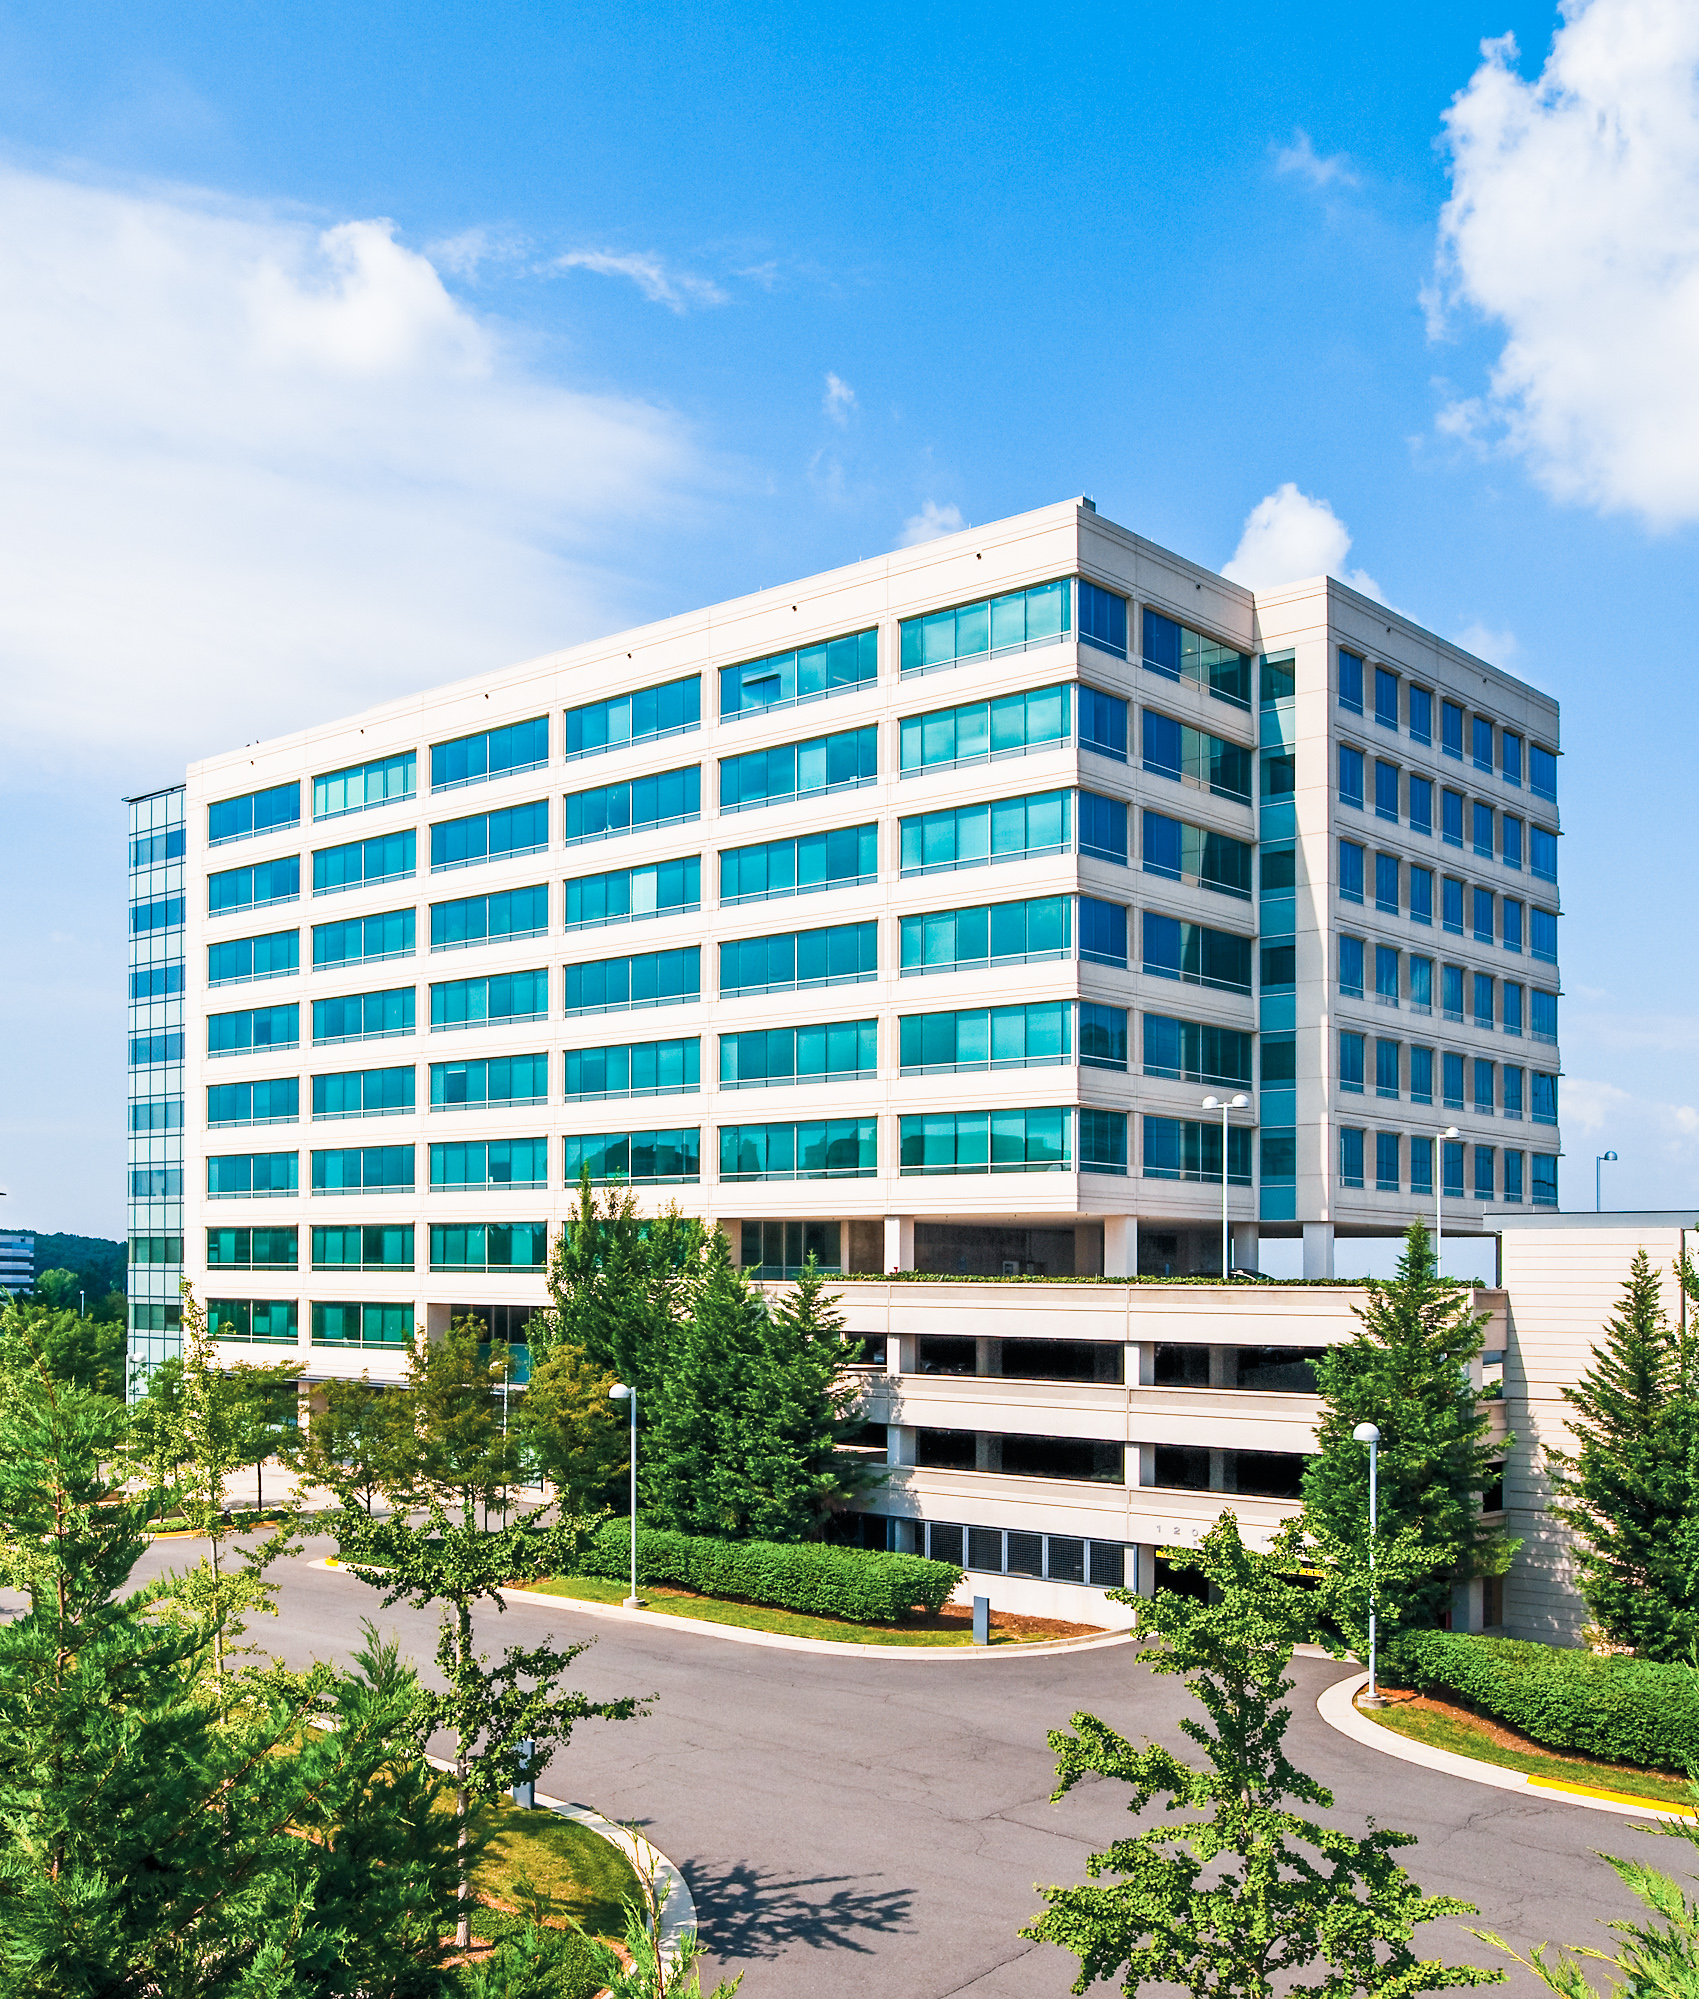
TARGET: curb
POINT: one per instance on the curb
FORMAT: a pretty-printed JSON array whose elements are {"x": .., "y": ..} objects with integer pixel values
[
  {"x": 678, "y": 1905},
  {"x": 831, "y": 1647},
  {"x": 1337, "y": 1706}
]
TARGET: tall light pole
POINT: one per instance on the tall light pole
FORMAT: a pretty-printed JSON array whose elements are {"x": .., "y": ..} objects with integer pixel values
[
  {"x": 621, "y": 1393},
  {"x": 1224, "y": 1105},
  {"x": 1450, "y": 1131},
  {"x": 1600, "y": 1161},
  {"x": 1366, "y": 1433}
]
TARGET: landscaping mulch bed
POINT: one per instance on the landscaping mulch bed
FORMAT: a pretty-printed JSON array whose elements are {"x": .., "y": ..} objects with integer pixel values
[{"x": 959, "y": 1617}]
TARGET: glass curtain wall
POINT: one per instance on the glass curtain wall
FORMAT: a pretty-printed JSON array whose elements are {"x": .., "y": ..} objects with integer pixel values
[{"x": 155, "y": 993}]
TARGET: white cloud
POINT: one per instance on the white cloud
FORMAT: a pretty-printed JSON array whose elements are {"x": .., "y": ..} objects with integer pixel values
[
  {"x": 254, "y": 474},
  {"x": 1574, "y": 225},
  {"x": 931, "y": 522},
  {"x": 1289, "y": 536},
  {"x": 1301, "y": 158},
  {"x": 677, "y": 290},
  {"x": 838, "y": 400},
  {"x": 1498, "y": 648}
]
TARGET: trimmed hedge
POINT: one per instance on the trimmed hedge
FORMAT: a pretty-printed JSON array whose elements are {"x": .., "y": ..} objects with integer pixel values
[
  {"x": 1620, "y": 1710},
  {"x": 810, "y": 1576}
]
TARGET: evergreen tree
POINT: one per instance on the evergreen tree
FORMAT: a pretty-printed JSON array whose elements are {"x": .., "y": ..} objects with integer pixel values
[
  {"x": 154, "y": 1834},
  {"x": 1242, "y": 1903},
  {"x": 1407, "y": 1371},
  {"x": 696, "y": 1441},
  {"x": 570, "y": 1431},
  {"x": 1627, "y": 1491}
]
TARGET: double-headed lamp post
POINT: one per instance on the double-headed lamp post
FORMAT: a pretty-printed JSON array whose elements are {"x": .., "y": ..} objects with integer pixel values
[
  {"x": 1366, "y": 1433},
  {"x": 1224, "y": 1105},
  {"x": 1450, "y": 1131},
  {"x": 621, "y": 1393}
]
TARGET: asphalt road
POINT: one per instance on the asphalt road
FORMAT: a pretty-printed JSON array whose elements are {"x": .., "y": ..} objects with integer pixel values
[{"x": 874, "y": 1827}]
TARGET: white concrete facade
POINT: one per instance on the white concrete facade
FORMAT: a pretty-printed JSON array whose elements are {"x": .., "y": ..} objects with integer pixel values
[{"x": 1252, "y": 716}]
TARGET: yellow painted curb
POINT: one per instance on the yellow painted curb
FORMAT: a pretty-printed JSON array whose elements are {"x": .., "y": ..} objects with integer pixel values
[{"x": 1611, "y": 1797}]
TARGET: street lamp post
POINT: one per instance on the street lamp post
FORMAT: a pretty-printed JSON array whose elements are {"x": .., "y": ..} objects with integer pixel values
[
  {"x": 1450, "y": 1131},
  {"x": 1600, "y": 1161},
  {"x": 1224, "y": 1105},
  {"x": 1366, "y": 1433},
  {"x": 621, "y": 1393}
]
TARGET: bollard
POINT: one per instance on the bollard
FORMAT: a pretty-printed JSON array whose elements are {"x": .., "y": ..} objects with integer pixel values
[
  {"x": 525, "y": 1791},
  {"x": 982, "y": 1620}
]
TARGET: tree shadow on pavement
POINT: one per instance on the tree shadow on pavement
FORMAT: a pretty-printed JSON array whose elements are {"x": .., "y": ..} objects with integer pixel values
[{"x": 744, "y": 1913}]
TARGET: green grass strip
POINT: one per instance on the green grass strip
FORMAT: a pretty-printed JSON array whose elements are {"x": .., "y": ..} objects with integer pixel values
[{"x": 1472, "y": 1739}]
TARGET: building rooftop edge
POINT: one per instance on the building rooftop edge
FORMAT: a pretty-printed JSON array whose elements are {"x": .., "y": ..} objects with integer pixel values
[{"x": 1608, "y": 1218}]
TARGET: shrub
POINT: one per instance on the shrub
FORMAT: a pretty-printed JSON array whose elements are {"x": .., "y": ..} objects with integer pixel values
[
  {"x": 809, "y": 1576},
  {"x": 1620, "y": 1710}
]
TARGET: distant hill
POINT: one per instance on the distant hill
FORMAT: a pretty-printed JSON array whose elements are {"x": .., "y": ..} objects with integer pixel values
[{"x": 100, "y": 1265}]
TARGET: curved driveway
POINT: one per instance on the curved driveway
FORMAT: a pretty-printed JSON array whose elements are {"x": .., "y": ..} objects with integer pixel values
[{"x": 871, "y": 1828}]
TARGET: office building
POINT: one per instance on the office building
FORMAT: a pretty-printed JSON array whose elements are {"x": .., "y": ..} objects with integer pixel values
[
  {"x": 905, "y": 916},
  {"x": 17, "y": 1263}
]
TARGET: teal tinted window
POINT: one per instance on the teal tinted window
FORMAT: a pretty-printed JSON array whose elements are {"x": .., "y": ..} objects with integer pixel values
[
  {"x": 361, "y": 1325},
  {"x": 839, "y": 1050},
  {"x": 640, "y": 1158},
  {"x": 254, "y": 813},
  {"x": 1206, "y": 859},
  {"x": 635, "y": 1069},
  {"x": 490, "y": 836},
  {"x": 1103, "y": 1036},
  {"x": 249, "y": 1175},
  {"x": 503, "y": 752},
  {"x": 826, "y": 1149},
  {"x": 364, "y": 1016},
  {"x": 629, "y": 894},
  {"x": 1103, "y": 724},
  {"x": 256, "y": 887},
  {"x": 666, "y": 798},
  {"x": 650, "y": 978},
  {"x": 364, "y": 1247},
  {"x": 1035, "y": 617},
  {"x": 261, "y": 1321},
  {"x": 165, "y": 912},
  {"x": 253, "y": 1027},
  {"x": 506, "y": 996},
  {"x": 364, "y": 939},
  {"x": 976, "y": 836},
  {"x": 784, "y": 679},
  {"x": 365, "y": 863},
  {"x": 824, "y": 764},
  {"x": 998, "y": 933},
  {"x": 1000, "y": 1037},
  {"x": 1103, "y": 619},
  {"x": 244, "y": 958},
  {"x": 1103, "y": 1141},
  {"x": 275, "y": 1100},
  {"x": 1177, "y": 652},
  {"x": 794, "y": 960},
  {"x": 496, "y": 1162},
  {"x": 1196, "y": 954},
  {"x": 490, "y": 919},
  {"x": 364, "y": 1093},
  {"x": 1186, "y": 1149},
  {"x": 363, "y": 1169},
  {"x": 489, "y": 1245},
  {"x": 359, "y": 787},
  {"x": 1024, "y": 1141},
  {"x": 1190, "y": 756},
  {"x": 841, "y": 858},
  {"x": 249, "y": 1249},
  {"x": 502, "y": 1079},
  {"x": 980, "y": 730},
  {"x": 671, "y": 709},
  {"x": 1196, "y": 1052}
]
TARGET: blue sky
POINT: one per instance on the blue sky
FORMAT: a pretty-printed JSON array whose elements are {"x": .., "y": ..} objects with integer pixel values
[{"x": 352, "y": 348}]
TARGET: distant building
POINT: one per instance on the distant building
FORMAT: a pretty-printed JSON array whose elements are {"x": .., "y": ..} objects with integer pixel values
[{"x": 17, "y": 1262}]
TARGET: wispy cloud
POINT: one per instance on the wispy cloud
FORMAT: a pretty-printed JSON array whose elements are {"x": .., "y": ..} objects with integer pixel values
[
  {"x": 838, "y": 400},
  {"x": 465, "y": 255},
  {"x": 1499, "y": 648},
  {"x": 1289, "y": 536},
  {"x": 1302, "y": 159},
  {"x": 677, "y": 290},
  {"x": 929, "y": 524}
]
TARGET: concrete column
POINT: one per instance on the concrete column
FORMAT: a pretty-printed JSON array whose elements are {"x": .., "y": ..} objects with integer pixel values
[
  {"x": 1223, "y": 1367},
  {"x": 899, "y": 1242},
  {"x": 988, "y": 1357},
  {"x": 1318, "y": 1249},
  {"x": 1218, "y": 1471},
  {"x": 1247, "y": 1246},
  {"x": 1120, "y": 1245},
  {"x": 1088, "y": 1236},
  {"x": 1145, "y": 1557},
  {"x": 732, "y": 1229}
]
